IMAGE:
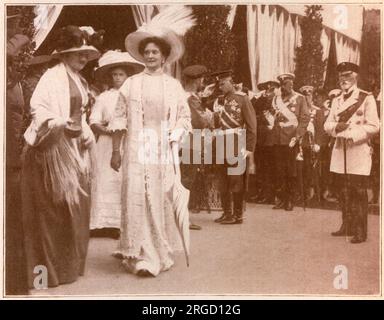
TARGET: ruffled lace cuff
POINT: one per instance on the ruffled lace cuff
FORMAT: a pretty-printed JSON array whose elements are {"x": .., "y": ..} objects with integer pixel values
[{"x": 118, "y": 124}]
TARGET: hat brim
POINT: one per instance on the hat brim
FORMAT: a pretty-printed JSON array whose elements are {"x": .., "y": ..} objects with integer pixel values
[
  {"x": 93, "y": 53},
  {"x": 39, "y": 60},
  {"x": 102, "y": 73},
  {"x": 133, "y": 40}
]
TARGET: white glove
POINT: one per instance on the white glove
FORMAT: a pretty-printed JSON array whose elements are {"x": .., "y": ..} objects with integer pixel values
[
  {"x": 208, "y": 90},
  {"x": 292, "y": 143},
  {"x": 316, "y": 148},
  {"x": 245, "y": 153},
  {"x": 311, "y": 128}
]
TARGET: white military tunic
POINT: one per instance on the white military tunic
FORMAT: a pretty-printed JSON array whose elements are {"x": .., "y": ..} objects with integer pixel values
[{"x": 363, "y": 124}]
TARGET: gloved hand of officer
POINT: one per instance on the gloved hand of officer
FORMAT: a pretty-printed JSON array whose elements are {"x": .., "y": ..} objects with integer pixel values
[
  {"x": 292, "y": 143},
  {"x": 316, "y": 148},
  {"x": 341, "y": 126}
]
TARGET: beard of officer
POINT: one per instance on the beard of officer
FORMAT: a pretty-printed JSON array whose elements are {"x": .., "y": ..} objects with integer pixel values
[{"x": 347, "y": 80}]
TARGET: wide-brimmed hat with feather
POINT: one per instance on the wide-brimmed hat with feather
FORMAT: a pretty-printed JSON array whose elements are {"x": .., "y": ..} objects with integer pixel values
[
  {"x": 75, "y": 39},
  {"x": 113, "y": 59},
  {"x": 170, "y": 25}
]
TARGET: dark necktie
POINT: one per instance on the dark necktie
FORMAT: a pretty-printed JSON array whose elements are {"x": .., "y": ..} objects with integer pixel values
[{"x": 347, "y": 95}]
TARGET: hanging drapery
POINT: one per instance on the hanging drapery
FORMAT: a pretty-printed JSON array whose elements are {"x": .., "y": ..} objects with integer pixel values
[
  {"x": 325, "y": 40},
  {"x": 142, "y": 14},
  {"x": 46, "y": 16},
  {"x": 346, "y": 49},
  {"x": 253, "y": 56},
  {"x": 231, "y": 16},
  {"x": 273, "y": 36}
]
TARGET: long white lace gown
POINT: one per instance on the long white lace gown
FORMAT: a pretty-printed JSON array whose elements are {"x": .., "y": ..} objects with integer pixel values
[
  {"x": 106, "y": 189},
  {"x": 149, "y": 235}
]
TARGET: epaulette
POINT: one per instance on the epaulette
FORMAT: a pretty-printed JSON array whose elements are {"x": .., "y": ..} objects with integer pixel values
[
  {"x": 297, "y": 94},
  {"x": 240, "y": 93},
  {"x": 366, "y": 92}
]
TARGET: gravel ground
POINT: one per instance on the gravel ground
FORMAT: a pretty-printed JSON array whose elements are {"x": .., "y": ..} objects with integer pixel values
[{"x": 273, "y": 253}]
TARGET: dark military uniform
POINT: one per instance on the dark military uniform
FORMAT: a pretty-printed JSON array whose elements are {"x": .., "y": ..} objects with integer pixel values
[
  {"x": 312, "y": 169},
  {"x": 193, "y": 173},
  {"x": 264, "y": 151},
  {"x": 290, "y": 122},
  {"x": 236, "y": 112}
]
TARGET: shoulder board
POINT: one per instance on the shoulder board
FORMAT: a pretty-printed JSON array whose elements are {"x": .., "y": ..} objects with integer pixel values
[
  {"x": 365, "y": 92},
  {"x": 240, "y": 93},
  {"x": 297, "y": 94}
]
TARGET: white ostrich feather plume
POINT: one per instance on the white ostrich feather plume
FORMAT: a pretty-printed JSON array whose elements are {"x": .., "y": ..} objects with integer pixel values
[{"x": 176, "y": 18}]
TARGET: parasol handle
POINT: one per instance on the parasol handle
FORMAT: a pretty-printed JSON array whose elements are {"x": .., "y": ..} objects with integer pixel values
[{"x": 175, "y": 157}]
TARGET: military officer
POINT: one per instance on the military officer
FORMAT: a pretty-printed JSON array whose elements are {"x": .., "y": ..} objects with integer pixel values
[
  {"x": 353, "y": 120},
  {"x": 375, "y": 172},
  {"x": 233, "y": 114},
  {"x": 291, "y": 118},
  {"x": 328, "y": 177},
  {"x": 312, "y": 143},
  {"x": 262, "y": 103},
  {"x": 201, "y": 119}
]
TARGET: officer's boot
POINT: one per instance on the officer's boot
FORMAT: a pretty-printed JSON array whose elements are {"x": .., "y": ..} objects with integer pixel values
[
  {"x": 226, "y": 203},
  {"x": 289, "y": 195},
  {"x": 279, "y": 199},
  {"x": 347, "y": 225},
  {"x": 361, "y": 216},
  {"x": 237, "y": 217}
]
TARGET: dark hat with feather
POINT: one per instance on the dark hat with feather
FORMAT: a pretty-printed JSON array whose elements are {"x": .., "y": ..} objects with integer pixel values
[{"x": 75, "y": 39}]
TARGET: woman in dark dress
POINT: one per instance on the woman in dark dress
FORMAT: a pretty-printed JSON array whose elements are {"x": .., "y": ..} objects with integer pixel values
[{"x": 56, "y": 167}]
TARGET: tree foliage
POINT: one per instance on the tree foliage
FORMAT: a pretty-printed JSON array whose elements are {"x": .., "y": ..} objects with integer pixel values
[
  {"x": 210, "y": 42},
  {"x": 309, "y": 56}
]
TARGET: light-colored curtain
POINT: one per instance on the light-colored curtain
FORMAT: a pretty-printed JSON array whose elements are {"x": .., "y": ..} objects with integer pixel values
[
  {"x": 273, "y": 36},
  {"x": 46, "y": 16},
  {"x": 142, "y": 14},
  {"x": 325, "y": 40},
  {"x": 253, "y": 55},
  {"x": 346, "y": 49},
  {"x": 231, "y": 15}
]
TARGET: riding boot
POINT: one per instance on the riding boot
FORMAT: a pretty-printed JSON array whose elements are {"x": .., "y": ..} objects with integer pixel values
[
  {"x": 289, "y": 195},
  {"x": 361, "y": 216},
  {"x": 347, "y": 225},
  {"x": 237, "y": 218},
  {"x": 226, "y": 203},
  {"x": 279, "y": 200}
]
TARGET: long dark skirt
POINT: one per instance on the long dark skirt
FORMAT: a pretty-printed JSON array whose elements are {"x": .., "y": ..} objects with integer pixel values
[{"x": 56, "y": 236}]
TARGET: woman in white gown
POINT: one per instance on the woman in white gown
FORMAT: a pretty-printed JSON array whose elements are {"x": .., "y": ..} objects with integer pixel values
[
  {"x": 156, "y": 102},
  {"x": 114, "y": 68}
]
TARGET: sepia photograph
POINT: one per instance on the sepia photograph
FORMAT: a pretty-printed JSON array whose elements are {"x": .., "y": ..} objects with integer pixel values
[{"x": 182, "y": 149}]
